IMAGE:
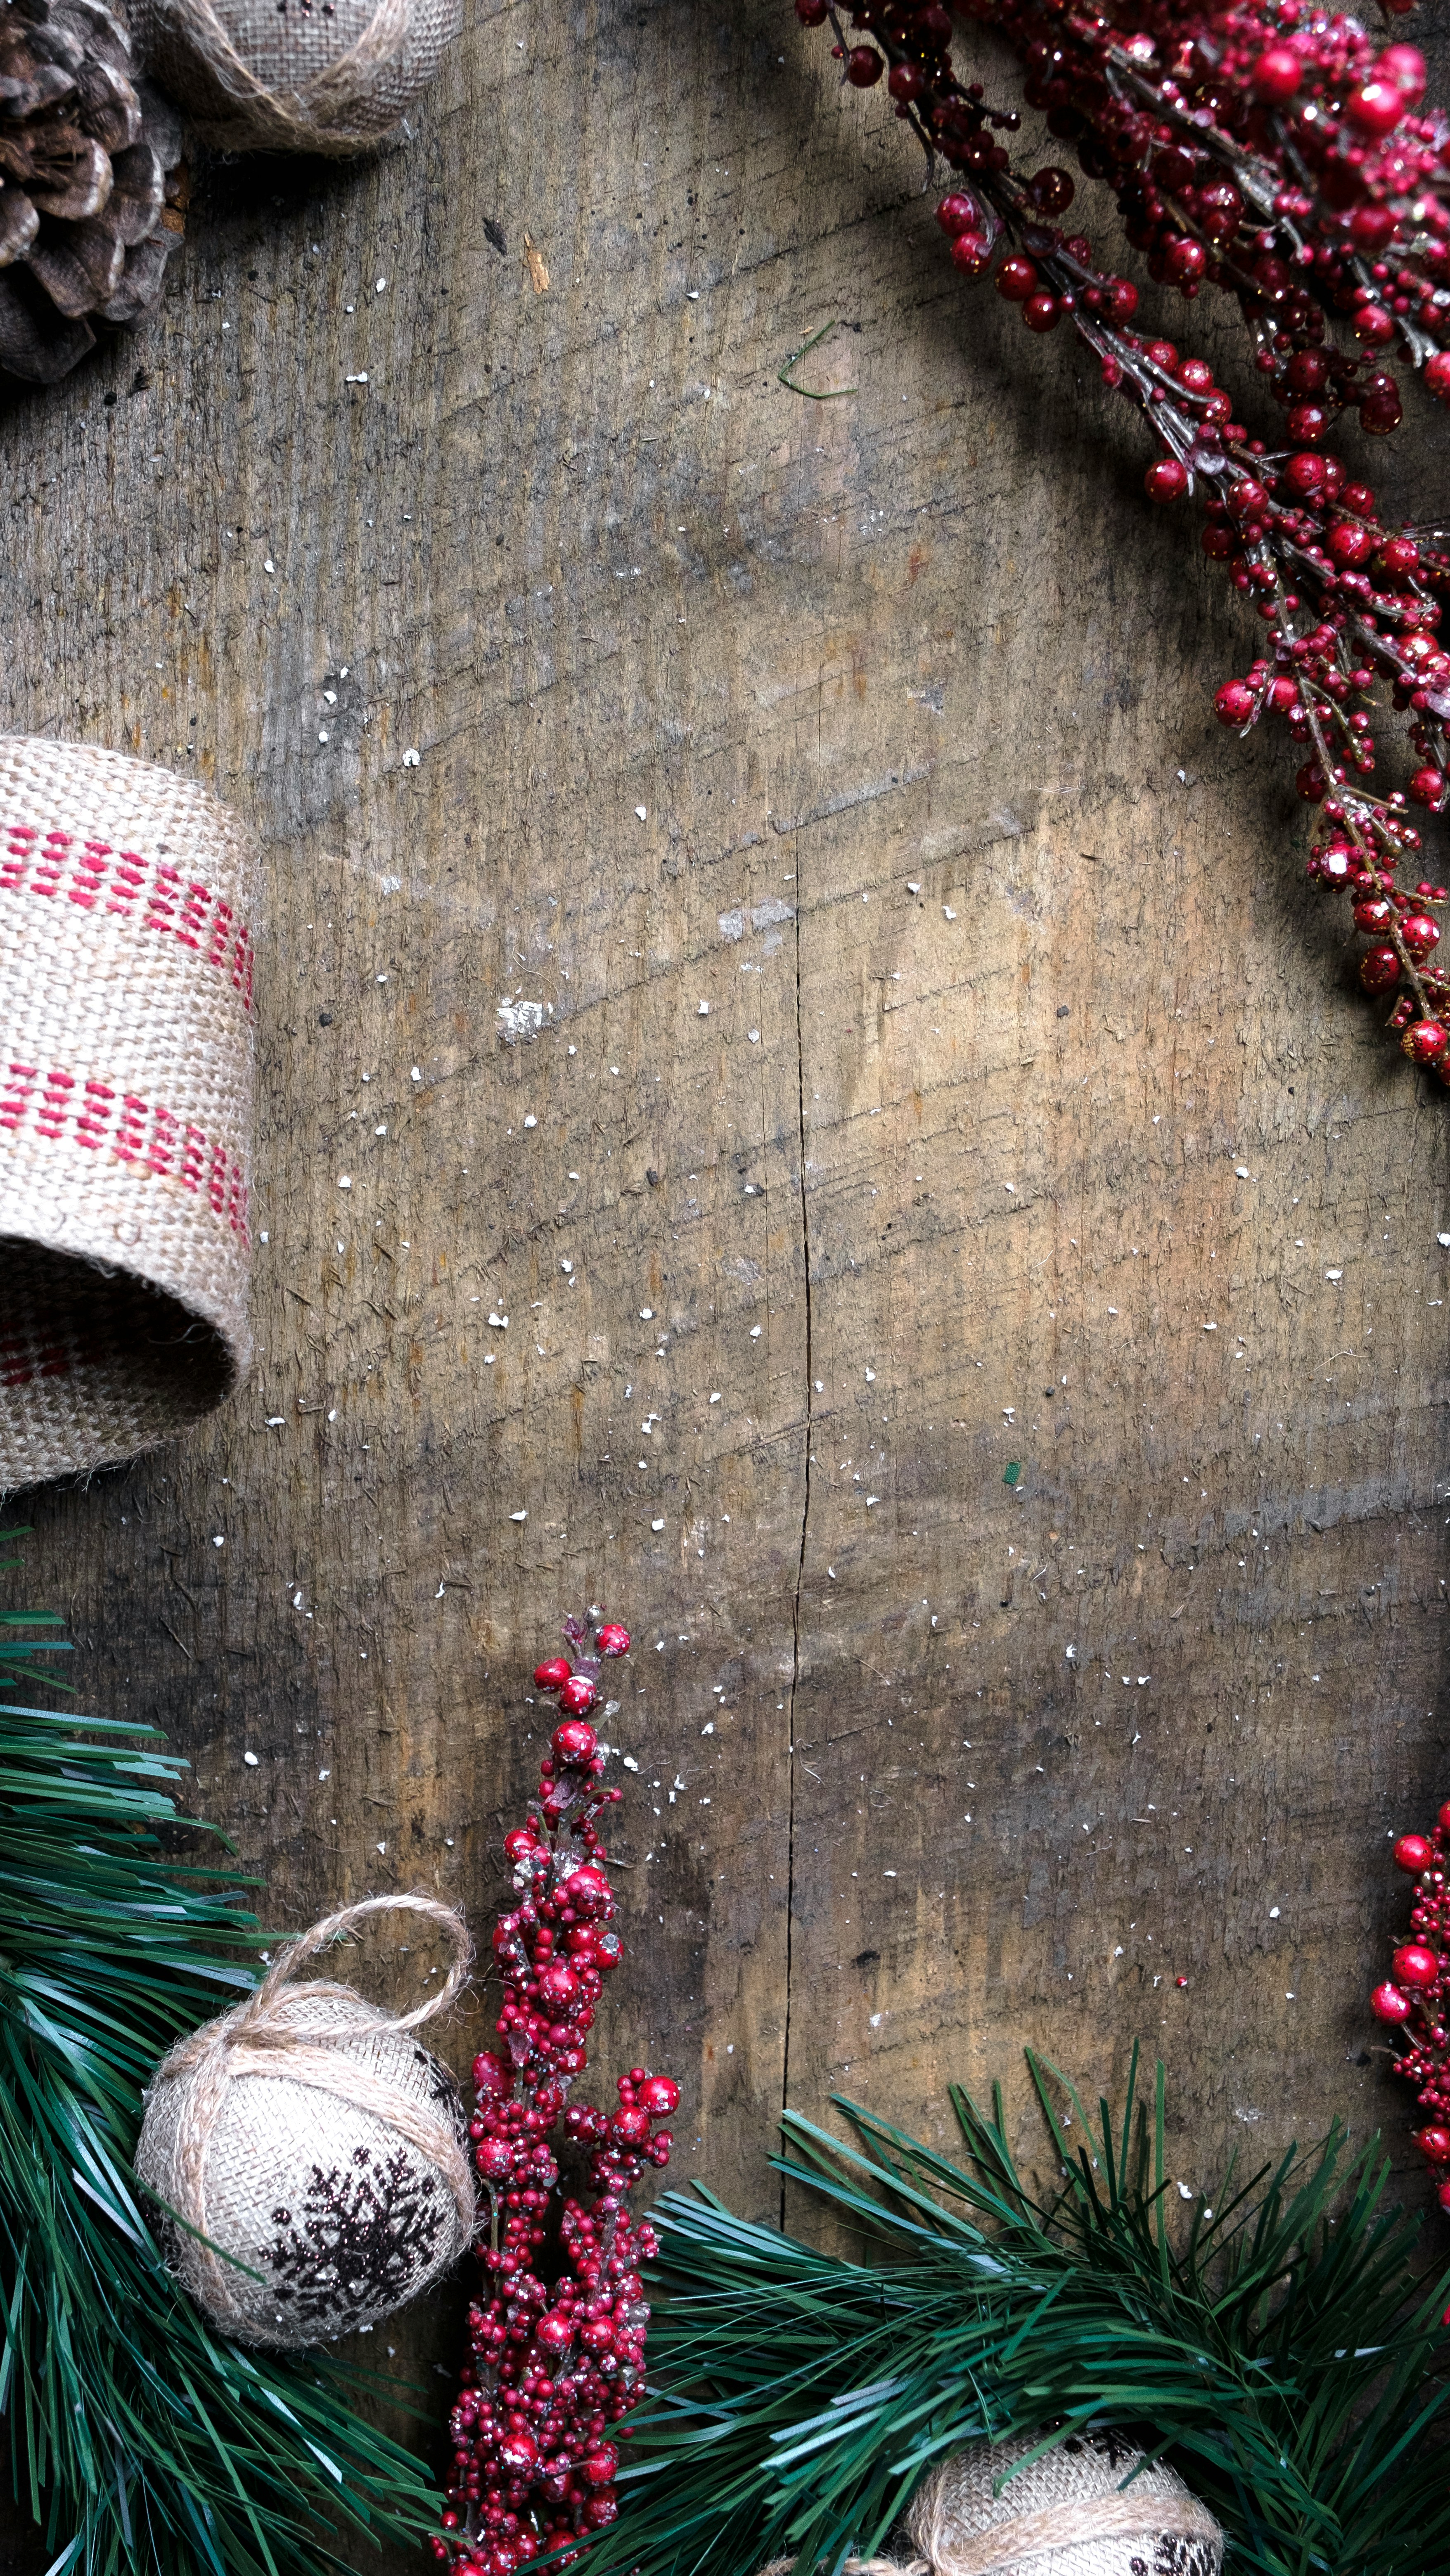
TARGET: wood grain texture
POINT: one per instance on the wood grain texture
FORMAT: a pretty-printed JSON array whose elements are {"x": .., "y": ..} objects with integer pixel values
[{"x": 917, "y": 965}]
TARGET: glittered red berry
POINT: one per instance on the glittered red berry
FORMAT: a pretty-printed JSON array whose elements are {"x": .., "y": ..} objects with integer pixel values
[
  {"x": 599, "y": 2466},
  {"x": 1051, "y": 191},
  {"x": 1373, "y": 324},
  {"x": 1413, "y": 1965},
  {"x": 631, "y": 2127},
  {"x": 1420, "y": 932},
  {"x": 1434, "y": 2143},
  {"x": 1379, "y": 970},
  {"x": 1414, "y": 1852},
  {"x": 1119, "y": 299},
  {"x": 1350, "y": 545},
  {"x": 1376, "y": 107},
  {"x": 1373, "y": 912},
  {"x": 1308, "y": 421},
  {"x": 906, "y": 81},
  {"x": 1405, "y": 66},
  {"x": 553, "y": 1674},
  {"x": 1246, "y": 499},
  {"x": 1437, "y": 375},
  {"x": 1276, "y": 75},
  {"x": 1167, "y": 480},
  {"x": 1427, "y": 787},
  {"x": 1425, "y": 1042},
  {"x": 574, "y": 1741},
  {"x": 1184, "y": 258},
  {"x": 659, "y": 2095},
  {"x": 864, "y": 67},
  {"x": 813, "y": 13},
  {"x": 971, "y": 253},
  {"x": 578, "y": 1695},
  {"x": 1388, "y": 2004},
  {"x": 491, "y": 2078},
  {"x": 1017, "y": 279},
  {"x": 1042, "y": 312},
  {"x": 1371, "y": 227},
  {"x": 1219, "y": 209},
  {"x": 1381, "y": 410},
  {"x": 957, "y": 213},
  {"x": 1234, "y": 703},
  {"x": 1306, "y": 475},
  {"x": 588, "y": 1891}
]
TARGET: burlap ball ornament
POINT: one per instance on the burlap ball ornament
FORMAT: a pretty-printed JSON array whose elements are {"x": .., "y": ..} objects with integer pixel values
[
  {"x": 315, "y": 2154},
  {"x": 1067, "y": 2514},
  {"x": 334, "y": 76},
  {"x": 127, "y": 904}
]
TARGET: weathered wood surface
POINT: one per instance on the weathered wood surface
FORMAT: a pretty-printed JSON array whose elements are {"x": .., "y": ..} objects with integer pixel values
[{"x": 918, "y": 965}]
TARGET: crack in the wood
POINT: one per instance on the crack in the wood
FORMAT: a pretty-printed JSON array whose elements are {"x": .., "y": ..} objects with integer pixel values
[{"x": 805, "y": 1520}]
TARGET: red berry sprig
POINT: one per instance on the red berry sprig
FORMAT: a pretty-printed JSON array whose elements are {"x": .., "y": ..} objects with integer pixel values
[
  {"x": 1294, "y": 534},
  {"x": 553, "y": 2366},
  {"x": 1265, "y": 147},
  {"x": 1415, "y": 1997}
]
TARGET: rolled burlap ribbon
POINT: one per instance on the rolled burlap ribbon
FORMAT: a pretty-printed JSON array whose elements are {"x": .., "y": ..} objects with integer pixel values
[
  {"x": 1066, "y": 2514},
  {"x": 127, "y": 899},
  {"x": 309, "y": 2158},
  {"x": 330, "y": 76}
]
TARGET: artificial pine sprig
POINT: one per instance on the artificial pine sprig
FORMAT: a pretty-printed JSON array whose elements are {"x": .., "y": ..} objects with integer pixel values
[
  {"x": 142, "y": 2442},
  {"x": 1274, "y": 2341}
]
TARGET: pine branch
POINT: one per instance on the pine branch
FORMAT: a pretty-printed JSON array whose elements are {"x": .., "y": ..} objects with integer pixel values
[
  {"x": 1275, "y": 2341},
  {"x": 142, "y": 2442}
]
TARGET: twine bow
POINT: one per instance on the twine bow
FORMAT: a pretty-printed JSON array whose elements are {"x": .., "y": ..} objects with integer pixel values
[
  {"x": 267, "y": 2036},
  {"x": 934, "y": 2524}
]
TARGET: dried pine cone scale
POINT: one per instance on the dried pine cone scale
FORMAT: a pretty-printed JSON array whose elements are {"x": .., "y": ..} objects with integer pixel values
[{"x": 91, "y": 183}]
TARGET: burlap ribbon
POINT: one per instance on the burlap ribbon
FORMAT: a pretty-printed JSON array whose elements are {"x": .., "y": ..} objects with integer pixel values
[
  {"x": 935, "y": 2523},
  {"x": 127, "y": 907},
  {"x": 259, "y": 2037}
]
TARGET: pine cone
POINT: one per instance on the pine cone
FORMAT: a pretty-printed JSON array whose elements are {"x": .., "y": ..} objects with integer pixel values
[{"x": 92, "y": 184}]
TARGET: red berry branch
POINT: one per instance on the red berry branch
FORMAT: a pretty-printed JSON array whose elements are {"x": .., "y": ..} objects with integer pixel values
[
  {"x": 1345, "y": 600},
  {"x": 1415, "y": 1998},
  {"x": 1267, "y": 149},
  {"x": 553, "y": 2366}
]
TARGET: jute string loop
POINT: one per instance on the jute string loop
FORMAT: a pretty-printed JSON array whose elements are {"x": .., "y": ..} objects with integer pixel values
[
  {"x": 261, "y": 2037},
  {"x": 952, "y": 2499}
]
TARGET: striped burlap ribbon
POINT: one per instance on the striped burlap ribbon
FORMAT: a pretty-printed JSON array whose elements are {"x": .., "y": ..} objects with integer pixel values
[
  {"x": 127, "y": 908},
  {"x": 1066, "y": 2514}
]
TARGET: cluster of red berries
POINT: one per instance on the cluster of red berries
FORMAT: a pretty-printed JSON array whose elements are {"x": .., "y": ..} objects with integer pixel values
[
  {"x": 554, "y": 2366},
  {"x": 1415, "y": 1998},
  {"x": 1265, "y": 148},
  {"x": 1346, "y": 602}
]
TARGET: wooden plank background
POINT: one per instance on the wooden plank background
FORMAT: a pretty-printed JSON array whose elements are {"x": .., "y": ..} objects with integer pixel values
[{"x": 917, "y": 965}]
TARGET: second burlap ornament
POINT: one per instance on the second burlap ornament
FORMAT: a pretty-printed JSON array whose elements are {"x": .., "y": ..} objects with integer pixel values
[
  {"x": 309, "y": 2159},
  {"x": 1069, "y": 2513},
  {"x": 333, "y": 76}
]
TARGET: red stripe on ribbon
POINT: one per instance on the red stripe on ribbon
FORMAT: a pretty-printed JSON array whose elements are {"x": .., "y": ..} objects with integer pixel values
[
  {"x": 153, "y": 894},
  {"x": 66, "y": 1111}
]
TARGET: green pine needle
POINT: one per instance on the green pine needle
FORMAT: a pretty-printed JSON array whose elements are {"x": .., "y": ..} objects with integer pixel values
[
  {"x": 143, "y": 2443},
  {"x": 1276, "y": 2342}
]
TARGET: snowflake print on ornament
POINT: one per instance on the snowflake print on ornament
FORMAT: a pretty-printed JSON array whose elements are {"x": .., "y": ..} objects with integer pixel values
[{"x": 554, "y": 2366}]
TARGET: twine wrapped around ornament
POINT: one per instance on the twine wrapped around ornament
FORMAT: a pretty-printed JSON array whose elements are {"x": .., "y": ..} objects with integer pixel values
[
  {"x": 310, "y": 2159},
  {"x": 332, "y": 76},
  {"x": 127, "y": 898},
  {"x": 1066, "y": 2514}
]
